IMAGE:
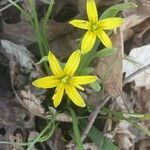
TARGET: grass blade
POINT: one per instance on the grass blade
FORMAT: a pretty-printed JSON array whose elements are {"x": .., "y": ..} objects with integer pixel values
[
  {"x": 97, "y": 137},
  {"x": 76, "y": 130},
  {"x": 115, "y": 9}
]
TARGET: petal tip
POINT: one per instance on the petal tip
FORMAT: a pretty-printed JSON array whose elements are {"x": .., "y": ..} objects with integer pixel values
[
  {"x": 71, "y": 22},
  {"x": 54, "y": 102},
  {"x": 83, "y": 105},
  {"x": 55, "y": 105},
  {"x": 34, "y": 83}
]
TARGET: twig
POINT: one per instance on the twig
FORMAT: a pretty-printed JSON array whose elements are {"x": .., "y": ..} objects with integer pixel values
[
  {"x": 7, "y": 6},
  {"x": 93, "y": 117},
  {"x": 130, "y": 77}
]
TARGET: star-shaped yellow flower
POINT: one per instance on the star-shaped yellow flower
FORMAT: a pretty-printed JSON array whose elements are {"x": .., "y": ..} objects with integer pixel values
[
  {"x": 64, "y": 80},
  {"x": 95, "y": 27}
]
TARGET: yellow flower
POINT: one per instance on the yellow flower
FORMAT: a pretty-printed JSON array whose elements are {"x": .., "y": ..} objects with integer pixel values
[
  {"x": 64, "y": 80},
  {"x": 95, "y": 27}
]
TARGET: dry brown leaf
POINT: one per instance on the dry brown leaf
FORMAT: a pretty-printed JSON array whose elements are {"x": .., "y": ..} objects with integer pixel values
[
  {"x": 18, "y": 139},
  {"x": 20, "y": 53},
  {"x": 31, "y": 136},
  {"x": 133, "y": 20},
  {"x": 143, "y": 144},
  {"x": 32, "y": 102},
  {"x": 59, "y": 116},
  {"x": 141, "y": 58},
  {"x": 56, "y": 142},
  {"x": 109, "y": 68},
  {"x": 123, "y": 137},
  {"x": 134, "y": 17},
  {"x": 143, "y": 7},
  {"x": 144, "y": 98},
  {"x": 23, "y": 33}
]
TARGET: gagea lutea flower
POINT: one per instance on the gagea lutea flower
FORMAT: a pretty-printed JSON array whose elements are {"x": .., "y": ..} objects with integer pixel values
[
  {"x": 64, "y": 80},
  {"x": 95, "y": 27}
]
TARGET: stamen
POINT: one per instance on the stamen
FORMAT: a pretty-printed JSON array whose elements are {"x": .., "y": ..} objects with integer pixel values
[
  {"x": 64, "y": 79},
  {"x": 94, "y": 27}
]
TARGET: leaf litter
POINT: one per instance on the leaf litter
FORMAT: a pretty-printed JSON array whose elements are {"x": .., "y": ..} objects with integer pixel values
[{"x": 15, "y": 47}]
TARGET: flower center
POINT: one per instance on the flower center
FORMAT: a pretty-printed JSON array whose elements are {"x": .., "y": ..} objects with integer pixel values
[
  {"x": 64, "y": 79},
  {"x": 94, "y": 27}
]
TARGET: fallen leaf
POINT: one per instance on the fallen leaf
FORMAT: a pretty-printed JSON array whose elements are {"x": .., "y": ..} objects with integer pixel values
[
  {"x": 109, "y": 68},
  {"x": 18, "y": 139},
  {"x": 123, "y": 136},
  {"x": 140, "y": 55},
  {"x": 32, "y": 102},
  {"x": 21, "y": 54},
  {"x": 56, "y": 142},
  {"x": 32, "y": 135},
  {"x": 23, "y": 33},
  {"x": 143, "y": 144}
]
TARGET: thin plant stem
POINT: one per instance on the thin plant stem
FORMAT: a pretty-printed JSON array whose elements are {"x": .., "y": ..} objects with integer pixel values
[
  {"x": 38, "y": 32},
  {"x": 41, "y": 134},
  {"x": 136, "y": 73},
  {"x": 44, "y": 25},
  {"x": 8, "y": 5},
  {"x": 37, "y": 139}
]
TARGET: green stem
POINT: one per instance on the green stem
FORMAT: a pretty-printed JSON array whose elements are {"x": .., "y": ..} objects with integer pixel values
[
  {"x": 87, "y": 58},
  {"x": 44, "y": 26},
  {"x": 37, "y": 139},
  {"x": 76, "y": 130},
  {"x": 38, "y": 32}
]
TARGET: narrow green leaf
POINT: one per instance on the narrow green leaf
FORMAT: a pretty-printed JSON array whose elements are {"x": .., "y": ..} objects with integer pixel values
[
  {"x": 105, "y": 52},
  {"x": 97, "y": 137},
  {"x": 138, "y": 126},
  {"x": 146, "y": 117},
  {"x": 49, "y": 133},
  {"x": 76, "y": 130},
  {"x": 95, "y": 86},
  {"x": 48, "y": 127},
  {"x": 87, "y": 70},
  {"x": 44, "y": 58},
  {"x": 132, "y": 118},
  {"x": 114, "y": 10},
  {"x": 44, "y": 26}
]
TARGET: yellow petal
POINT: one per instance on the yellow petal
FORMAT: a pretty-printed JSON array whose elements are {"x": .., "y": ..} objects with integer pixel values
[
  {"x": 54, "y": 65},
  {"x": 92, "y": 11},
  {"x": 83, "y": 79},
  {"x": 104, "y": 38},
  {"x": 72, "y": 63},
  {"x": 74, "y": 96},
  {"x": 110, "y": 23},
  {"x": 88, "y": 42},
  {"x": 58, "y": 95},
  {"x": 80, "y": 24},
  {"x": 46, "y": 82},
  {"x": 76, "y": 85}
]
